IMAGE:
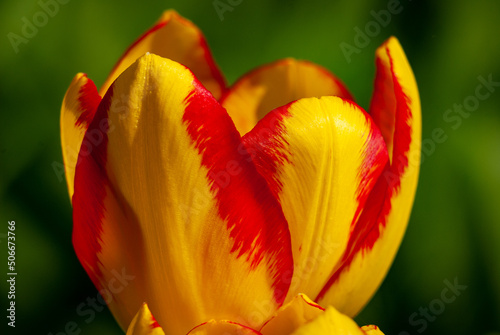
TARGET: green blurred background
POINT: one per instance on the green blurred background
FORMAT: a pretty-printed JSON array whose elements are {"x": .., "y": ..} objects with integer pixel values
[{"x": 454, "y": 231}]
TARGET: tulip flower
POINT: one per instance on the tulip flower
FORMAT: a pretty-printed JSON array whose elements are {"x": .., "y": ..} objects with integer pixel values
[{"x": 274, "y": 206}]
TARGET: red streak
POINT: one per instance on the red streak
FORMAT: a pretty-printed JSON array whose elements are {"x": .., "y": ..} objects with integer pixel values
[
  {"x": 254, "y": 218},
  {"x": 89, "y": 99},
  {"x": 154, "y": 323},
  {"x": 268, "y": 147},
  {"x": 88, "y": 199}
]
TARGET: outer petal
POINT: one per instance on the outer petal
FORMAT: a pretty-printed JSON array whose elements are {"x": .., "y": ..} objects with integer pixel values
[
  {"x": 144, "y": 323},
  {"x": 331, "y": 322},
  {"x": 213, "y": 327},
  {"x": 77, "y": 111},
  {"x": 168, "y": 194},
  {"x": 179, "y": 39},
  {"x": 321, "y": 158},
  {"x": 376, "y": 235},
  {"x": 275, "y": 85}
]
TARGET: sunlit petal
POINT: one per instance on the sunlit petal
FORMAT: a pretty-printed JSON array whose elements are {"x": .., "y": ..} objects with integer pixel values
[
  {"x": 277, "y": 84},
  {"x": 157, "y": 197},
  {"x": 144, "y": 323},
  {"x": 77, "y": 111},
  {"x": 178, "y": 39},
  {"x": 321, "y": 158},
  {"x": 377, "y": 234}
]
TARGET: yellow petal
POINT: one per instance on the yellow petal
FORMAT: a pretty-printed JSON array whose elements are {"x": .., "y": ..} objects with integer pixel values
[
  {"x": 377, "y": 234},
  {"x": 302, "y": 316},
  {"x": 331, "y": 322},
  {"x": 77, "y": 111},
  {"x": 169, "y": 194},
  {"x": 275, "y": 85},
  {"x": 176, "y": 38},
  {"x": 213, "y": 327},
  {"x": 144, "y": 323},
  {"x": 372, "y": 330},
  {"x": 321, "y": 157},
  {"x": 293, "y": 315}
]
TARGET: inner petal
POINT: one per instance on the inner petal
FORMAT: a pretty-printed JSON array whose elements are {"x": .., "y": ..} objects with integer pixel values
[{"x": 275, "y": 85}]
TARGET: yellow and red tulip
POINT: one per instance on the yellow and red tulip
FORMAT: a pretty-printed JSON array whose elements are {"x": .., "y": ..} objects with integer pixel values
[{"x": 231, "y": 208}]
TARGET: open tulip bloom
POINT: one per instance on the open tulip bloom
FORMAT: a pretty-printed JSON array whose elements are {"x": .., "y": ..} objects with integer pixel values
[{"x": 274, "y": 206}]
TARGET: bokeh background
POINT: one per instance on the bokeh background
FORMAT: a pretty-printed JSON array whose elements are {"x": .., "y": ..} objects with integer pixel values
[{"x": 454, "y": 231}]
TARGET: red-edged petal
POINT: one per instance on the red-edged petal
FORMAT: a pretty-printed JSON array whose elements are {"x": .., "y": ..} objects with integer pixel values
[
  {"x": 178, "y": 39},
  {"x": 77, "y": 111},
  {"x": 167, "y": 193},
  {"x": 144, "y": 323},
  {"x": 321, "y": 158},
  {"x": 377, "y": 234},
  {"x": 277, "y": 84}
]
